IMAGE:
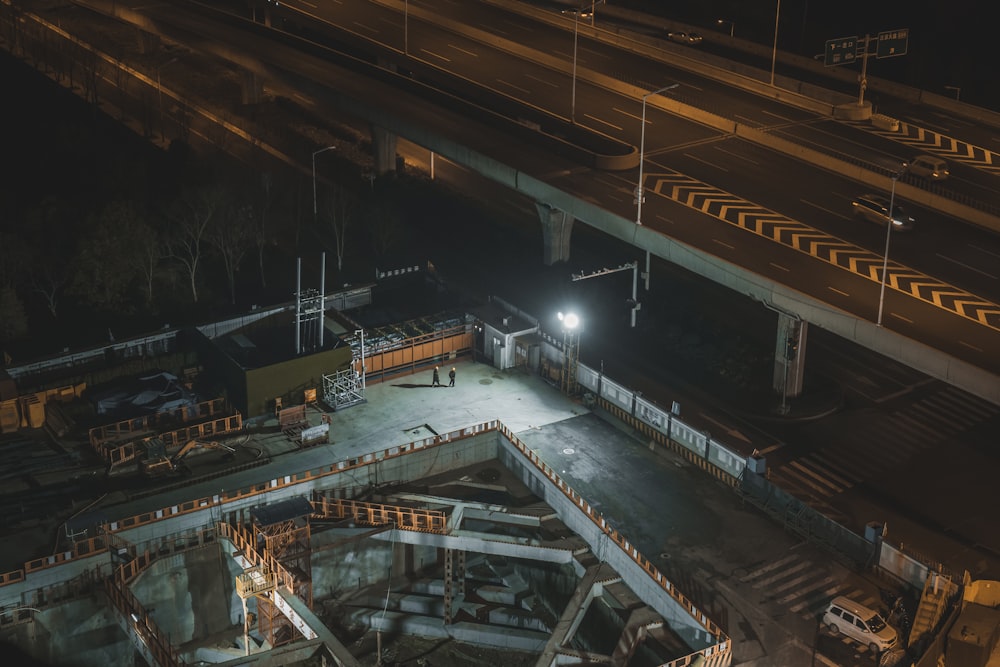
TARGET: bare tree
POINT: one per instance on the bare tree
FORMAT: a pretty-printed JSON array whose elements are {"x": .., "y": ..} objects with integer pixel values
[
  {"x": 339, "y": 212},
  {"x": 262, "y": 228},
  {"x": 232, "y": 234},
  {"x": 149, "y": 251},
  {"x": 14, "y": 254},
  {"x": 48, "y": 277},
  {"x": 13, "y": 321},
  {"x": 190, "y": 218},
  {"x": 385, "y": 227}
]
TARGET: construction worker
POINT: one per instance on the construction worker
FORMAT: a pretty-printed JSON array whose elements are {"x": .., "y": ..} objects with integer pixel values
[
  {"x": 451, "y": 378},
  {"x": 436, "y": 382}
]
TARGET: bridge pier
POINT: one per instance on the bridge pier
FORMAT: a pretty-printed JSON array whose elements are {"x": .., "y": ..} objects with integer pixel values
[
  {"x": 557, "y": 228},
  {"x": 790, "y": 356},
  {"x": 384, "y": 147},
  {"x": 251, "y": 88},
  {"x": 148, "y": 42}
]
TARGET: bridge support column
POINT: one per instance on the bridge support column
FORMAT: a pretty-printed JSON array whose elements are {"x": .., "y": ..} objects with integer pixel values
[
  {"x": 251, "y": 89},
  {"x": 557, "y": 227},
  {"x": 790, "y": 356},
  {"x": 148, "y": 42},
  {"x": 384, "y": 145}
]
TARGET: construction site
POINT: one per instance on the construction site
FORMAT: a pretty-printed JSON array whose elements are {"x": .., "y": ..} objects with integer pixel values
[{"x": 360, "y": 524}]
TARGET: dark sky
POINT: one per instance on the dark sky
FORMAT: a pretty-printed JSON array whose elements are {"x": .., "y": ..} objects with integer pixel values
[{"x": 952, "y": 42}]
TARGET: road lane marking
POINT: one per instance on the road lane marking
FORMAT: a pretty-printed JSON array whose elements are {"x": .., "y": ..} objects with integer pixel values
[
  {"x": 436, "y": 55},
  {"x": 600, "y": 120},
  {"x": 465, "y": 51}
]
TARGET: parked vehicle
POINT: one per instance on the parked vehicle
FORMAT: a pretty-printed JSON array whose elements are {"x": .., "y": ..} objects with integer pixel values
[
  {"x": 930, "y": 167},
  {"x": 875, "y": 209},
  {"x": 863, "y": 625}
]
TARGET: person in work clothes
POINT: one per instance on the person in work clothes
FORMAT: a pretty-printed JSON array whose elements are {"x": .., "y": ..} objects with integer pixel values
[
  {"x": 451, "y": 378},
  {"x": 436, "y": 382}
]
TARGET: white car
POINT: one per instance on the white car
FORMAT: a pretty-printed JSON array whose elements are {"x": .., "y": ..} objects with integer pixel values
[
  {"x": 847, "y": 617},
  {"x": 929, "y": 167}
]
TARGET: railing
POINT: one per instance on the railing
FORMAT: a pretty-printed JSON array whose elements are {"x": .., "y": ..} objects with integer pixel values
[
  {"x": 378, "y": 514},
  {"x": 129, "y": 428}
]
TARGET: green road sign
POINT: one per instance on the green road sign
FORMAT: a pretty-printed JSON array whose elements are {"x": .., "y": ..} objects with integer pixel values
[
  {"x": 892, "y": 43},
  {"x": 840, "y": 51}
]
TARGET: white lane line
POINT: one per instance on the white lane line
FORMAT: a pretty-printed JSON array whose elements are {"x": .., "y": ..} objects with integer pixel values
[
  {"x": 465, "y": 51},
  {"x": 966, "y": 266},
  {"x": 841, "y": 292},
  {"x": 511, "y": 85},
  {"x": 630, "y": 115},
  {"x": 735, "y": 155},
  {"x": 436, "y": 55},
  {"x": 779, "y": 267},
  {"x": 600, "y": 120},
  {"x": 705, "y": 162},
  {"x": 539, "y": 80}
]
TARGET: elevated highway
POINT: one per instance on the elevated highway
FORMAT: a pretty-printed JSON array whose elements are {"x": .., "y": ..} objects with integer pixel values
[{"x": 948, "y": 333}]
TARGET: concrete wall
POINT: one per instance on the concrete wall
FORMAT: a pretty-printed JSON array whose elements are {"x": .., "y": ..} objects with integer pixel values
[
  {"x": 350, "y": 565},
  {"x": 191, "y": 595},
  {"x": 79, "y": 633}
]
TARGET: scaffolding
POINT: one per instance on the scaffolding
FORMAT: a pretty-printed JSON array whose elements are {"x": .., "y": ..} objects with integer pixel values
[
  {"x": 254, "y": 582},
  {"x": 282, "y": 531},
  {"x": 343, "y": 389}
]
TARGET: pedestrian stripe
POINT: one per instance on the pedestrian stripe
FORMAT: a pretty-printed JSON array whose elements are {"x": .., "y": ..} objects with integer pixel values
[
  {"x": 760, "y": 583},
  {"x": 802, "y": 589},
  {"x": 840, "y": 470},
  {"x": 813, "y": 608},
  {"x": 765, "y": 223},
  {"x": 806, "y": 477},
  {"x": 767, "y": 568},
  {"x": 812, "y": 593},
  {"x": 835, "y": 480}
]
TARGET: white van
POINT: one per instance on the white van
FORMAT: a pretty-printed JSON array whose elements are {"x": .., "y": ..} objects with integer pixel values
[{"x": 859, "y": 623}]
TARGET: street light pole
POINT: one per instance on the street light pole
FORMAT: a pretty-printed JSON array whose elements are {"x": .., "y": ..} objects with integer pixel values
[
  {"x": 639, "y": 194},
  {"x": 885, "y": 256},
  {"x": 315, "y": 153},
  {"x": 732, "y": 25},
  {"x": 406, "y": 27},
  {"x": 774, "y": 49},
  {"x": 572, "y": 106}
]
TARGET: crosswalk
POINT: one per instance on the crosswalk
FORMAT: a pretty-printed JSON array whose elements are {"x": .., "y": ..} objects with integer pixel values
[
  {"x": 900, "y": 436},
  {"x": 803, "y": 586}
]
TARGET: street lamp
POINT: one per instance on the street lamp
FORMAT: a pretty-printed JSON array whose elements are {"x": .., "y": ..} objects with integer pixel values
[
  {"x": 639, "y": 196},
  {"x": 315, "y": 153},
  {"x": 570, "y": 324},
  {"x": 576, "y": 31},
  {"x": 732, "y": 25},
  {"x": 774, "y": 49},
  {"x": 888, "y": 234}
]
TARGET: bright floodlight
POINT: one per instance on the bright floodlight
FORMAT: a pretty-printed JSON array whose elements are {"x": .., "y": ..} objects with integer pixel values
[{"x": 569, "y": 320}]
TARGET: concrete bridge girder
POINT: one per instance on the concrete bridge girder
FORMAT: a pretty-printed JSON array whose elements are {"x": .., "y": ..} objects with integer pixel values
[
  {"x": 557, "y": 229},
  {"x": 790, "y": 355},
  {"x": 384, "y": 149}
]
